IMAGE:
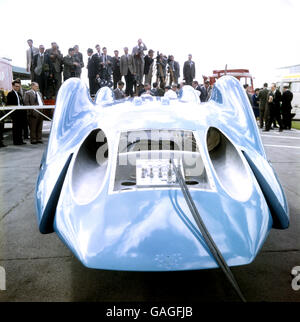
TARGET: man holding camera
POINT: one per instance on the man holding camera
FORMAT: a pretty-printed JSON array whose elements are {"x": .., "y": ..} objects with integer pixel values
[
  {"x": 161, "y": 63},
  {"x": 105, "y": 69},
  {"x": 71, "y": 65},
  {"x": 138, "y": 59},
  {"x": 56, "y": 59}
]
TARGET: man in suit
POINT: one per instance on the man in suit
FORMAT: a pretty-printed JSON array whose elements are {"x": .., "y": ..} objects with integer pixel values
[
  {"x": 138, "y": 60},
  {"x": 25, "y": 130},
  {"x": 42, "y": 69},
  {"x": 105, "y": 66},
  {"x": 246, "y": 87},
  {"x": 14, "y": 98},
  {"x": 161, "y": 64},
  {"x": 148, "y": 67},
  {"x": 287, "y": 97},
  {"x": 56, "y": 59},
  {"x": 127, "y": 69},
  {"x": 116, "y": 68},
  {"x": 30, "y": 53},
  {"x": 204, "y": 90},
  {"x": 35, "y": 119},
  {"x": 274, "y": 99},
  {"x": 78, "y": 57},
  {"x": 263, "y": 106},
  {"x": 71, "y": 65},
  {"x": 174, "y": 70},
  {"x": 118, "y": 92},
  {"x": 96, "y": 59},
  {"x": 189, "y": 70},
  {"x": 92, "y": 67}
]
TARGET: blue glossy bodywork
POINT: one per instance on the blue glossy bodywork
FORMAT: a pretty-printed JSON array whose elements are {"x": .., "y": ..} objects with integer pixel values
[{"x": 153, "y": 230}]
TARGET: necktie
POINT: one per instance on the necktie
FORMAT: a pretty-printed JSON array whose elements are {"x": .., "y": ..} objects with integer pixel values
[
  {"x": 20, "y": 101},
  {"x": 31, "y": 52}
]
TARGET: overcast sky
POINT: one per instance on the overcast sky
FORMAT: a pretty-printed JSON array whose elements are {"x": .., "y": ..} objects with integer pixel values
[{"x": 257, "y": 34}]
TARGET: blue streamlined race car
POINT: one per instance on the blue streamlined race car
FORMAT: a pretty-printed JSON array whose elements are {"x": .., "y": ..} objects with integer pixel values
[{"x": 120, "y": 181}]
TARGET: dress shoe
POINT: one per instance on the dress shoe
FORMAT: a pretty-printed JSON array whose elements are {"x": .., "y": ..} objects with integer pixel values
[
  {"x": 266, "y": 130},
  {"x": 19, "y": 143},
  {"x": 33, "y": 142},
  {"x": 40, "y": 141},
  {"x": 2, "y": 145},
  {"x": 280, "y": 130}
]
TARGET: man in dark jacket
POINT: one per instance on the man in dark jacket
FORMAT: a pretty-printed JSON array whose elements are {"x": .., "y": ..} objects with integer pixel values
[
  {"x": 263, "y": 106},
  {"x": 56, "y": 58},
  {"x": 189, "y": 70},
  {"x": 286, "y": 107},
  {"x": 204, "y": 90},
  {"x": 274, "y": 99},
  {"x": 19, "y": 117},
  {"x": 105, "y": 67},
  {"x": 148, "y": 68},
  {"x": 116, "y": 68},
  {"x": 71, "y": 65},
  {"x": 93, "y": 71}
]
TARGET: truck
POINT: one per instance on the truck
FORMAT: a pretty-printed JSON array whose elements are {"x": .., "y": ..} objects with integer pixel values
[{"x": 243, "y": 75}]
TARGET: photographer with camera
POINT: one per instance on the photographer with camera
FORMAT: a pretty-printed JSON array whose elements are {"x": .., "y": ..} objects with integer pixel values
[
  {"x": 105, "y": 69},
  {"x": 71, "y": 65},
  {"x": 139, "y": 62},
  {"x": 56, "y": 59}
]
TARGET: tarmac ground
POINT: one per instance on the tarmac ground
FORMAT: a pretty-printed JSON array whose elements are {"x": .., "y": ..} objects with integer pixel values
[{"x": 40, "y": 268}]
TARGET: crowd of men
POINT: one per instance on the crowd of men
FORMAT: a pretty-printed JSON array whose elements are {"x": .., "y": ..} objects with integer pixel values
[
  {"x": 271, "y": 107},
  {"x": 137, "y": 67}
]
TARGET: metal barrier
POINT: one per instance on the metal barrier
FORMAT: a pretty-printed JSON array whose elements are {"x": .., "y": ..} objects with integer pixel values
[{"x": 24, "y": 107}]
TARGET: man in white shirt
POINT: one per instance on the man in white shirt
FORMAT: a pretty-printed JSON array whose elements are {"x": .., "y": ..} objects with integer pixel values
[
  {"x": 35, "y": 119},
  {"x": 19, "y": 117}
]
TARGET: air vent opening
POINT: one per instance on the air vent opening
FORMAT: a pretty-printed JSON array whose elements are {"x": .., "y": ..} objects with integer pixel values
[
  {"x": 229, "y": 165},
  {"x": 90, "y": 167}
]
